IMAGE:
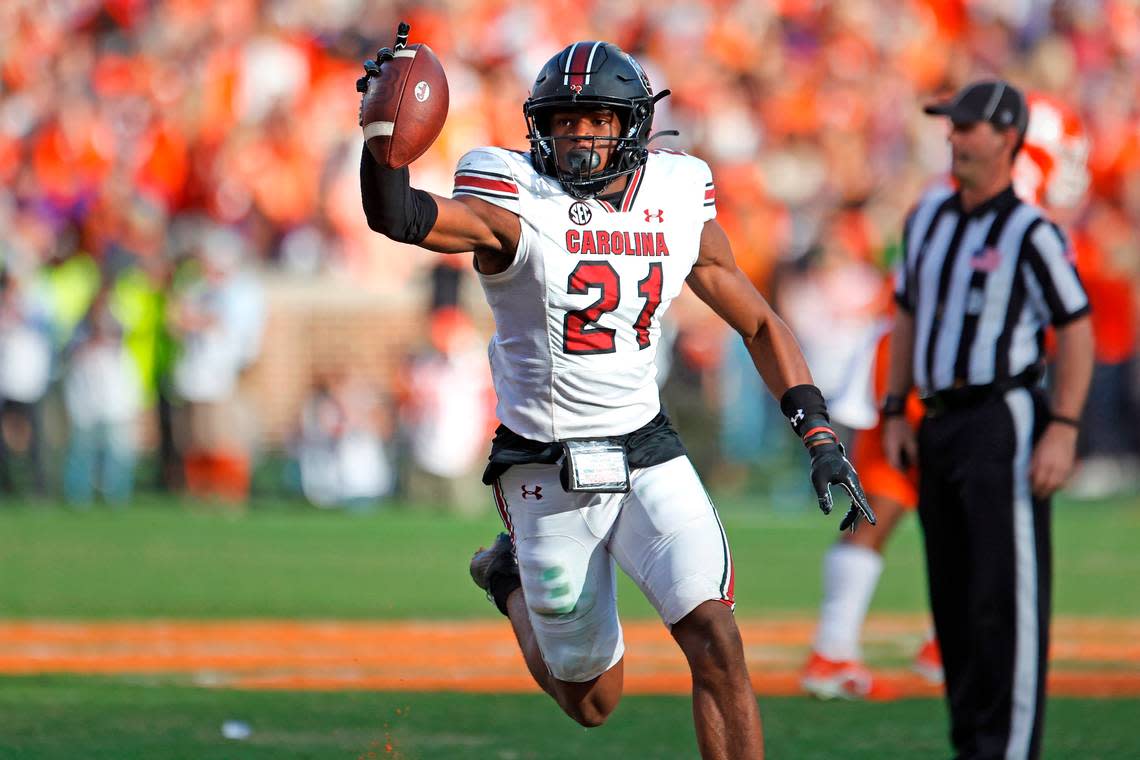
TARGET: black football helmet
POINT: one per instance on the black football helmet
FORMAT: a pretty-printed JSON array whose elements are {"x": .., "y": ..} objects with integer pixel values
[{"x": 591, "y": 75}]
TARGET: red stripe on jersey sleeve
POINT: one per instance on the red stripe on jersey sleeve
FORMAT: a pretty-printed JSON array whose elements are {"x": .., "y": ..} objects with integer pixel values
[
  {"x": 631, "y": 189},
  {"x": 710, "y": 194},
  {"x": 485, "y": 183}
]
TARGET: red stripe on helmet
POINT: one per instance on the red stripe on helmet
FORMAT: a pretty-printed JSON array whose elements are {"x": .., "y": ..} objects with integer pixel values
[
  {"x": 590, "y": 60},
  {"x": 577, "y": 68}
]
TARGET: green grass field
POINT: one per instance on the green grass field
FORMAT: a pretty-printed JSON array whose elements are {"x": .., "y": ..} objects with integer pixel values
[
  {"x": 290, "y": 562},
  {"x": 283, "y": 561},
  {"x": 101, "y": 719}
]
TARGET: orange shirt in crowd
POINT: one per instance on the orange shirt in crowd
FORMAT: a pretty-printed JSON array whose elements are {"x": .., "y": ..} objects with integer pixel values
[{"x": 1112, "y": 296}]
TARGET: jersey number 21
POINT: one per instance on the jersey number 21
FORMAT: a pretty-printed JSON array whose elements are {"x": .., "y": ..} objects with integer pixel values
[{"x": 581, "y": 333}]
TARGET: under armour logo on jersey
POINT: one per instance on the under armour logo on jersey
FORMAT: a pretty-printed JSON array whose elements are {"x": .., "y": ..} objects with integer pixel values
[
  {"x": 797, "y": 418},
  {"x": 659, "y": 215},
  {"x": 580, "y": 213},
  {"x": 536, "y": 493}
]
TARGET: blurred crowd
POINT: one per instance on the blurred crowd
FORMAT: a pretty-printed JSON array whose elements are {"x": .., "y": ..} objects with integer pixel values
[{"x": 157, "y": 158}]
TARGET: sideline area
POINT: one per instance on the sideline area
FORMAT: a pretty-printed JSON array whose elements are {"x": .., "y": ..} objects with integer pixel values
[{"x": 1092, "y": 657}]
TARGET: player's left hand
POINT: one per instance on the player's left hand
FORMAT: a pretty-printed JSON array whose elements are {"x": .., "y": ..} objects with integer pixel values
[
  {"x": 830, "y": 466},
  {"x": 1053, "y": 459}
]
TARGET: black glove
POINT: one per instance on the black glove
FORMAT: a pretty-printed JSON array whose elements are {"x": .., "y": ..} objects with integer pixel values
[
  {"x": 830, "y": 466},
  {"x": 806, "y": 410},
  {"x": 372, "y": 66}
]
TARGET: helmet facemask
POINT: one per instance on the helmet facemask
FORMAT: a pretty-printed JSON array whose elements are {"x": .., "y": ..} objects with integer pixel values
[{"x": 627, "y": 150}]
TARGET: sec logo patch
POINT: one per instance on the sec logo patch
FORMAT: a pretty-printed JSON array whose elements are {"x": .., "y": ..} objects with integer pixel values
[{"x": 580, "y": 213}]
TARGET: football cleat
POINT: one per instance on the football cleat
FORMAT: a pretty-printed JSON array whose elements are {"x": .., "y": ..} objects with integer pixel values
[
  {"x": 496, "y": 571},
  {"x": 928, "y": 662},
  {"x": 836, "y": 679}
]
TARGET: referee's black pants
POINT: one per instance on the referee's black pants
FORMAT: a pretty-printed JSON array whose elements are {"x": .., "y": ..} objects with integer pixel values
[{"x": 989, "y": 570}]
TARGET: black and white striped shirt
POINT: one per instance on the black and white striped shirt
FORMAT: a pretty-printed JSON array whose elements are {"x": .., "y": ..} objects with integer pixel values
[{"x": 982, "y": 286}]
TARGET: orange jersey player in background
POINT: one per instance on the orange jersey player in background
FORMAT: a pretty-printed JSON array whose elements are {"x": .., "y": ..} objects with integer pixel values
[
  {"x": 1052, "y": 168},
  {"x": 1055, "y": 169},
  {"x": 1052, "y": 171}
]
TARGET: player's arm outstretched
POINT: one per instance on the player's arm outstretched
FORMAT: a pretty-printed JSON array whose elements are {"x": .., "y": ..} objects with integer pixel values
[
  {"x": 721, "y": 284},
  {"x": 409, "y": 215}
]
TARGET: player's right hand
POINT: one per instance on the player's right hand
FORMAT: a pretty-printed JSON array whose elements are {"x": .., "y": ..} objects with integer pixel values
[
  {"x": 900, "y": 445},
  {"x": 830, "y": 466},
  {"x": 372, "y": 65}
]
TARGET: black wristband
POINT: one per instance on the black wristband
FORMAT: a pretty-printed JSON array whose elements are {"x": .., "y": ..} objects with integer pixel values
[
  {"x": 802, "y": 404},
  {"x": 393, "y": 207},
  {"x": 894, "y": 405},
  {"x": 1070, "y": 421}
]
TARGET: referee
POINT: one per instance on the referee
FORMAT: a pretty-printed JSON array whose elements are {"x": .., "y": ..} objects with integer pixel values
[{"x": 983, "y": 275}]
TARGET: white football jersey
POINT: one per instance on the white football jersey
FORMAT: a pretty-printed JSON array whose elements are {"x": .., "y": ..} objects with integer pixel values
[{"x": 578, "y": 312}]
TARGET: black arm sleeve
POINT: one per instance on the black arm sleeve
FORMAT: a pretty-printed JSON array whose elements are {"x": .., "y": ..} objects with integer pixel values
[{"x": 393, "y": 207}]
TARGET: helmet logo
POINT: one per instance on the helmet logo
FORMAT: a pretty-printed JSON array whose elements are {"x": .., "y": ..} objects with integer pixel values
[
  {"x": 576, "y": 88},
  {"x": 423, "y": 91},
  {"x": 580, "y": 213}
]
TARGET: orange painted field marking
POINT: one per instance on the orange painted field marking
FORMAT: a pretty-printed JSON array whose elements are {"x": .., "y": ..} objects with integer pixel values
[{"x": 1091, "y": 657}]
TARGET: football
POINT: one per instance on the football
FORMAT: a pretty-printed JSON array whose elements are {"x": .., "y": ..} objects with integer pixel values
[{"x": 405, "y": 107}]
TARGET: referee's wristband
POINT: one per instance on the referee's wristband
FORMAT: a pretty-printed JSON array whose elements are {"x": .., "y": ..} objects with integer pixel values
[
  {"x": 1070, "y": 421},
  {"x": 894, "y": 405}
]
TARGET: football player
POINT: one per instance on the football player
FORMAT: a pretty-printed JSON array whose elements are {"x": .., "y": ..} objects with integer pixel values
[
  {"x": 580, "y": 245},
  {"x": 1051, "y": 170}
]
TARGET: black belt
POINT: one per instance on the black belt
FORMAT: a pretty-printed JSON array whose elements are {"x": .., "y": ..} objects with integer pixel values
[{"x": 968, "y": 396}]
